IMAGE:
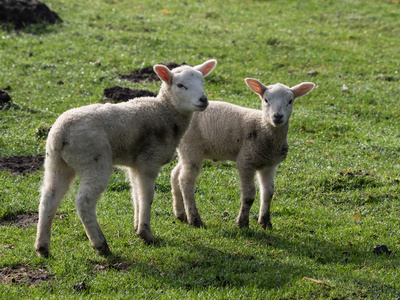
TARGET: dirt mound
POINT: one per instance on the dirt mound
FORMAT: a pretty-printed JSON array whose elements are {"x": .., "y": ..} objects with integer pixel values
[
  {"x": 21, "y": 274},
  {"x": 25, "y": 220},
  {"x": 147, "y": 74},
  {"x": 117, "y": 94},
  {"x": 21, "y": 220},
  {"x": 21, "y": 164},
  {"x": 21, "y": 13}
]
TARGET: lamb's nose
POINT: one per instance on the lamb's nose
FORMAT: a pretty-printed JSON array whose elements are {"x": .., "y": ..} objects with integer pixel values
[
  {"x": 278, "y": 117},
  {"x": 204, "y": 99}
]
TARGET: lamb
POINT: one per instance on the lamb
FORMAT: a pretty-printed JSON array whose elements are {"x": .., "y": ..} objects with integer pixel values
[
  {"x": 141, "y": 135},
  {"x": 256, "y": 140}
]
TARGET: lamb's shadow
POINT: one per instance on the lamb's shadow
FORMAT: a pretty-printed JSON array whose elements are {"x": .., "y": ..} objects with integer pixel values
[
  {"x": 198, "y": 265},
  {"x": 317, "y": 248}
]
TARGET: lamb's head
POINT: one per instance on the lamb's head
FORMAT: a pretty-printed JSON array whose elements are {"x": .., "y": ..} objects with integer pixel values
[
  {"x": 185, "y": 85},
  {"x": 277, "y": 99}
]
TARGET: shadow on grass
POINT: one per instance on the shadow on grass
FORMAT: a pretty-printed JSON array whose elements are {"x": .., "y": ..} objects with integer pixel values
[
  {"x": 213, "y": 269},
  {"x": 321, "y": 250},
  {"x": 195, "y": 265}
]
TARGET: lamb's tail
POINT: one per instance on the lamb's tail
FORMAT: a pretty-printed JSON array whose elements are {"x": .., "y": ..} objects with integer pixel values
[{"x": 58, "y": 174}]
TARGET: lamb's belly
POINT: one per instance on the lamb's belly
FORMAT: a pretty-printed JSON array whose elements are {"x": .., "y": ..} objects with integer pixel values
[
  {"x": 151, "y": 157},
  {"x": 126, "y": 161},
  {"x": 220, "y": 150},
  {"x": 266, "y": 163},
  {"x": 221, "y": 156}
]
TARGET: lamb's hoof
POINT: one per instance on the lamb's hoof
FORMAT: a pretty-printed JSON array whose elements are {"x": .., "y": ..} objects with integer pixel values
[
  {"x": 182, "y": 218},
  {"x": 43, "y": 252},
  {"x": 242, "y": 223},
  {"x": 266, "y": 226},
  {"x": 197, "y": 222},
  {"x": 265, "y": 223},
  {"x": 147, "y": 237},
  {"x": 103, "y": 250}
]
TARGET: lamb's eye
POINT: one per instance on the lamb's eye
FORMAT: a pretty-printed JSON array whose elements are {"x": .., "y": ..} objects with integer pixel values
[
  {"x": 181, "y": 86},
  {"x": 290, "y": 102},
  {"x": 266, "y": 100}
]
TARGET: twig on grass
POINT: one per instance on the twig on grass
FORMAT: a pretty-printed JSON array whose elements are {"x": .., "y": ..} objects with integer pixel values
[
  {"x": 317, "y": 281},
  {"x": 211, "y": 203}
]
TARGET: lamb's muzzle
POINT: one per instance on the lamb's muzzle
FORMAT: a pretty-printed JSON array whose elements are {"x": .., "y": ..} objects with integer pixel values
[
  {"x": 204, "y": 102},
  {"x": 277, "y": 119}
]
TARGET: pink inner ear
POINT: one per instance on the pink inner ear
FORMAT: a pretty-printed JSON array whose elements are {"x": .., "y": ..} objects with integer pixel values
[
  {"x": 207, "y": 68},
  {"x": 163, "y": 73},
  {"x": 302, "y": 89},
  {"x": 255, "y": 86}
]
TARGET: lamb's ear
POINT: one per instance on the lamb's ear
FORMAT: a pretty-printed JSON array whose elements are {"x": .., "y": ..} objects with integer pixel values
[
  {"x": 256, "y": 86},
  {"x": 302, "y": 89},
  {"x": 164, "y": 73},
  {"x": 206, "y": 67}
]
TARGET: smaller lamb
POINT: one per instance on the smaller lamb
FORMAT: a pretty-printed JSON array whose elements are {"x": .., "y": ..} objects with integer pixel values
[
  {"x": 141, "y": 135},
  {"x": 255, "y": 139}
]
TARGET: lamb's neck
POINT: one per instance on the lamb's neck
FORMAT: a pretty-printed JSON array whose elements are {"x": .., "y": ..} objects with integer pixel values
[
  {"x": 276, "y": 132},
  {"x": 180, "y": 119}
]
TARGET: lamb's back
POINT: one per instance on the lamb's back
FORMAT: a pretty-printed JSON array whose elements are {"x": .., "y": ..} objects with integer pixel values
[
  {"x": 226, "y": 131},
  {"x": 125, "y": 130},
  {"x": 220, "y": 130}
]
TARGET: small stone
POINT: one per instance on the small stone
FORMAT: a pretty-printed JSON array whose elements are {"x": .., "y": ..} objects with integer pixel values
[
  {"x": 312, "y": 73},
  {"x": 80, "y": 287},
  {"x": 380, "y": 249},
  {"x": 5, "y": 99}
]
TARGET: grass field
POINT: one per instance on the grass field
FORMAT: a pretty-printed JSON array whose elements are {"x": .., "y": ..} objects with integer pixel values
[{"x": 337, "y": 193}]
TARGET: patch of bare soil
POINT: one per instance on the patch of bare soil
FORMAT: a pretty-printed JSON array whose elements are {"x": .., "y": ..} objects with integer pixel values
[
  {"x": 21, "y": 274},
  {"x": 110, "y": 265},
  {"x": 21, "y": 13},
  {"x": 25, "y": 219},
  {"x": 147, "y": 74},
  {"x": 117, "y": 94},
  {"x": 119, "y": 266},
  {"x": 21, "y": 164},
  {"x": 21, "y": 220}
]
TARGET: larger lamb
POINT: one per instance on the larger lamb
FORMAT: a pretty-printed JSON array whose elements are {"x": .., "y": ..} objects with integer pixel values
[
  {"x": 141, "y": 135},
  {"x": 255, "y": 139}
]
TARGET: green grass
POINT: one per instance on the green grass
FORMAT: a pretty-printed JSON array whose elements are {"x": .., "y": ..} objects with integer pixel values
[{"x": 337, "y": 193}]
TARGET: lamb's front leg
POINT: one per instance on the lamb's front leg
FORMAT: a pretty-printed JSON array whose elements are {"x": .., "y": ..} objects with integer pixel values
[
  {"x": 248, "y": 195},
  {"x": 266, "y": 179},
  {"x": 145, "y": 185}
]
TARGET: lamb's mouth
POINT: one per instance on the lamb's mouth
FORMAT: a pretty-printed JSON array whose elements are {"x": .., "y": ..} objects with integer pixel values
[
  {"x": 278, "y": 123},
  {"x": 202, "y": 106}
]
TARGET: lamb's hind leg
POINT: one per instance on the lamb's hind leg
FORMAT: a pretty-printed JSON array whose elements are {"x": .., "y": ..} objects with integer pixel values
[
  {"x": 187, "y": 182},
  {"x": 55, "y": 186},
  {"x": 178, "y": 205},
  {"x": 248, "y": 193},
  {"x": 94, "y": 182},
  {"x": 266, "y": 179},
  {"x": 133, "y": 178}
]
